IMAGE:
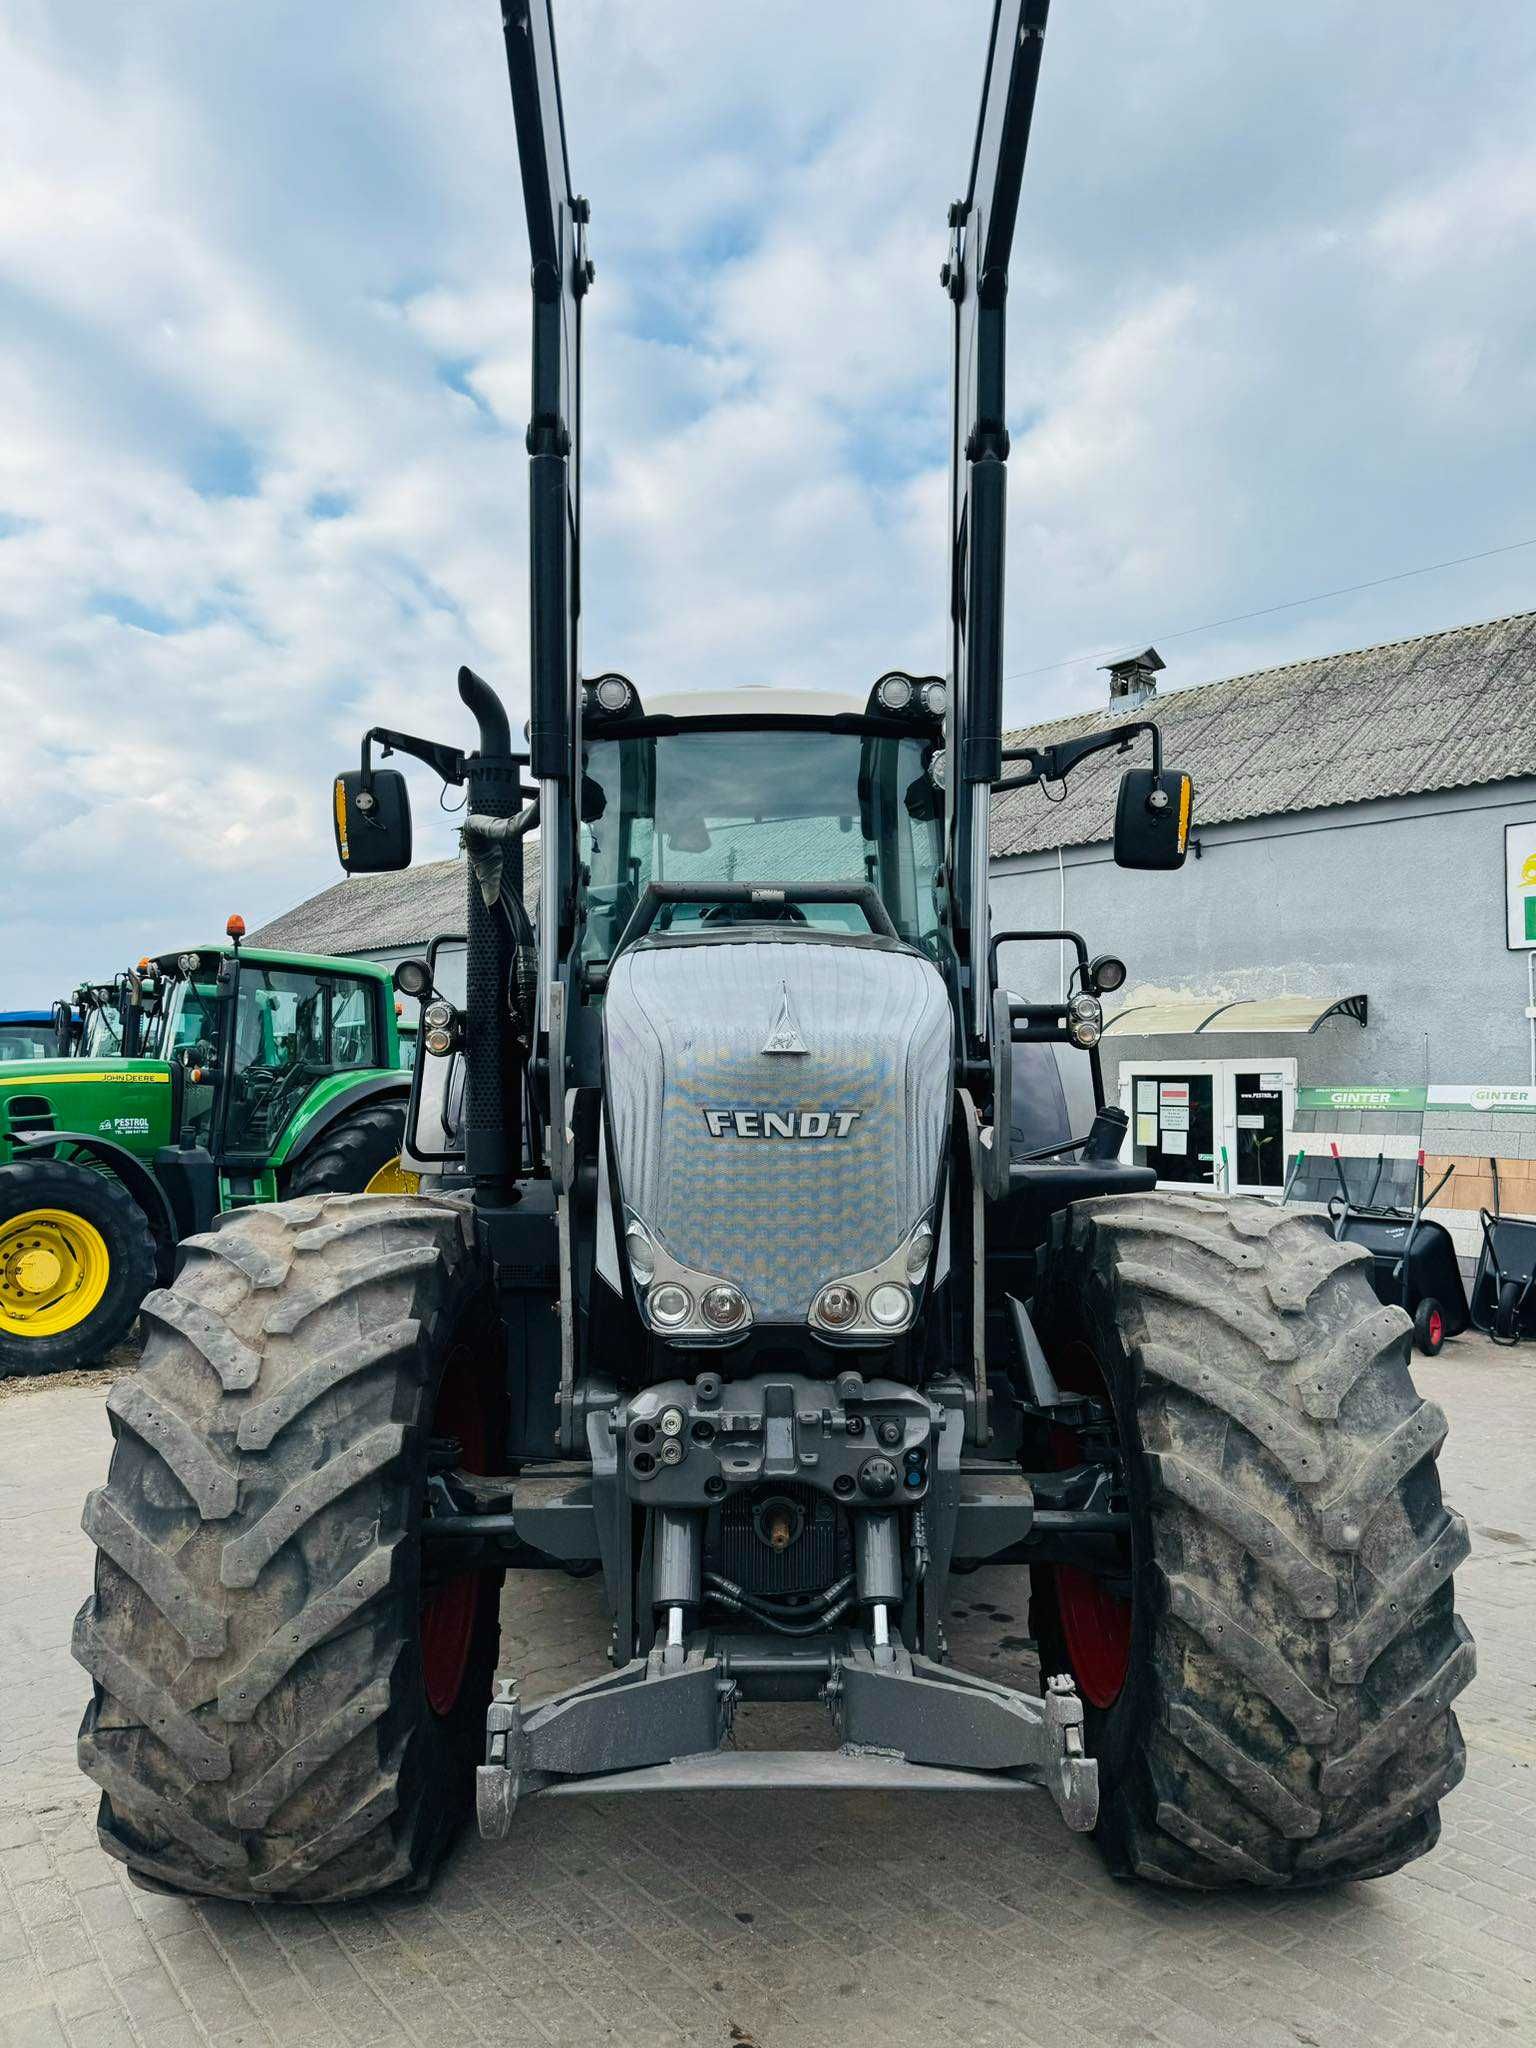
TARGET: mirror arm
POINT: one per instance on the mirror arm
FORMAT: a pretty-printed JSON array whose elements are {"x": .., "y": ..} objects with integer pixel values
[
  {"x": 1055, "y": 763},
  {"x": 448, "y": 762}
]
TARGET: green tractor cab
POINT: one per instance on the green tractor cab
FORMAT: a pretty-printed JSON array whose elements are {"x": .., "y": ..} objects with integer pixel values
[{"x": 248, "y": 1075}]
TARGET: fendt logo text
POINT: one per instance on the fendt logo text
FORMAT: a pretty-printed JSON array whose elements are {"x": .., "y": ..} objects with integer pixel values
[{"x": 789, "y": 1123}]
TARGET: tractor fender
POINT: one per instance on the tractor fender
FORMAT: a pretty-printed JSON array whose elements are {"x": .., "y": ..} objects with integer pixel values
[
  {"x": 391, "y": 1086},
  {"x": 135, "y": 1177}
]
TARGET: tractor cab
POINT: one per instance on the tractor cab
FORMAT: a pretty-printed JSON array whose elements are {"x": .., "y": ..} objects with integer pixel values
[
  {"x": 28, "y": 1035},
  {"x": 265, "y": 1041},
  {"x": 760, "y": 786}
]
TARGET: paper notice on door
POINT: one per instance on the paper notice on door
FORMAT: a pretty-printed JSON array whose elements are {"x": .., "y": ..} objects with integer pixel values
[
  {"x": 1175, "y": 1143},
  {"x": 1146, "y": 1130},
  {"x": 1273, "y": 1082},
  {"x": 1250, "y": 1123},
  {"x": 1174, "y": 1118},
  {"x": 1176, "y": 1092},
  {"x": 1146, "y": 1095}
]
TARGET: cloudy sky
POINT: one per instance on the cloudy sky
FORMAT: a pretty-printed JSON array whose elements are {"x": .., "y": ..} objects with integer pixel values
[{"x": 263, "y": 380}]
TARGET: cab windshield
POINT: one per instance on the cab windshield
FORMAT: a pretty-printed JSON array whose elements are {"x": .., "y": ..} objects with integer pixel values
[
  {"x": 780, "y": 805},
  {"x": 27, "y": 1042},
  {"x": 103, "y": 1033}
]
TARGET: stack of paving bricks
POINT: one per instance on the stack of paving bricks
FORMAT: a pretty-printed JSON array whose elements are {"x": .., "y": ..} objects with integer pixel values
[
  {"x": 1451, "y": 1135},
  {"x": 1467, "y": 1140}
]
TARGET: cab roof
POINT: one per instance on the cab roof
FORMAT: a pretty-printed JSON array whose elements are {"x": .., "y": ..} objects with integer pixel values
[
  {"x": 756, "y": 700},
  {"x": 262, "y": 956}
]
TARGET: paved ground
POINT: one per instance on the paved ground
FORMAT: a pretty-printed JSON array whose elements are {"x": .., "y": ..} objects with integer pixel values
[{"x": 783, "y": 1923}]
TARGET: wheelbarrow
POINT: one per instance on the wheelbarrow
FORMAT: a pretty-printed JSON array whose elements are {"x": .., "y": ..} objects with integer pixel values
[
  {"x": 1413, "y": 1259},
  {"x": 1504, "y": 1285}
]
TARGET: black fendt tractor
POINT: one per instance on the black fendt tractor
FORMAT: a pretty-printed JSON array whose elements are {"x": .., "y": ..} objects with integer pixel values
[{"x": 740, "y": 1292}]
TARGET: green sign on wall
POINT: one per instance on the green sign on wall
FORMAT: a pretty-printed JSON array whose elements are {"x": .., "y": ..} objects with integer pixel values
[{"x": 1361, "y": 1098}]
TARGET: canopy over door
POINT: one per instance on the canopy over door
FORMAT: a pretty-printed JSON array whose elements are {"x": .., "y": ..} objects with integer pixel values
[{"x": 1187, "y": 1016}]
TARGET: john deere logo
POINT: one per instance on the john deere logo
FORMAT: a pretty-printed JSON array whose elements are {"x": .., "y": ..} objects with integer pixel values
[{"x": 789, "y": 1123}]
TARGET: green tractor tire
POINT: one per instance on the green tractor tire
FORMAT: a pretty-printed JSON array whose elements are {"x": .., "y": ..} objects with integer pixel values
[
  {"x": 76, "y": 1259},
  {"x": 352, "y": 1153}
]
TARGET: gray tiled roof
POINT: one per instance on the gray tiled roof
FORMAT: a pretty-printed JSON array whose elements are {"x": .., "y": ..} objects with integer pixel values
[
  {"x": 1445, "y": 711},
  {"x": 382, "y": 913}
]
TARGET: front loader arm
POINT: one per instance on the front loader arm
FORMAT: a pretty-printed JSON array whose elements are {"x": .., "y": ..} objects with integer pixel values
[
  {"x": 561, "y": 275},
  {"x": 976, "y": 278}
]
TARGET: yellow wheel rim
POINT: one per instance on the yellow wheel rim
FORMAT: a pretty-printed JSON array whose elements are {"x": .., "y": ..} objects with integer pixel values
[
  {"x": 394, "y": 1179},
  {"x": 54, "y": 1269}
]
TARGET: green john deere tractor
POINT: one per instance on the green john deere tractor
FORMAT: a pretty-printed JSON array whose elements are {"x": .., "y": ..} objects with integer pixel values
[{"x": 253, "y": 1075}]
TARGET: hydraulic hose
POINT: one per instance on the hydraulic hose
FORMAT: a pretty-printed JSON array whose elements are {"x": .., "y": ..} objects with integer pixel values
[{"x": 493, "y": 1072}]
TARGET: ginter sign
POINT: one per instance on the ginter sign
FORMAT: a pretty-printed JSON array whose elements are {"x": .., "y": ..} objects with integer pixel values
[{"x": 1520, "y": 885}]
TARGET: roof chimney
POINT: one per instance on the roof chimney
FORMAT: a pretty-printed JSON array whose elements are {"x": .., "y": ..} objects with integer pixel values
[{"x": 1131, "y": 679}]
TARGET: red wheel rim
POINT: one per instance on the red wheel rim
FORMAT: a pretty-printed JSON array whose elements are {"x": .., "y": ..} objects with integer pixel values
[
  {"x": 448, "y": 1613},
  {"x": 1095, "y": 1623},
  {"x": 1436, "y": 1328}
]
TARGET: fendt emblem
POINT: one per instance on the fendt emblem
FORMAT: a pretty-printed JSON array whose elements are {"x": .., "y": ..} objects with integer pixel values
[
  {"x": 772, "y": 1123},
  {"x": 784, "y": 1032}
]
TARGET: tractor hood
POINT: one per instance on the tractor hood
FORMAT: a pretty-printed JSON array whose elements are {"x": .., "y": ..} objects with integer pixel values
[
  {"x": 129, "y": 1102},
  {"x": 777, "y": 1107}
]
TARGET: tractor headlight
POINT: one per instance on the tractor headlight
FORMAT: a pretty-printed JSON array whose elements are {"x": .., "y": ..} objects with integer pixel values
[
  {"x": 878, "y": 1302},
  {"x": 724, "y": 1307},
  {"x": 670, "y": 1305},
  {"x": 678, "y": 1301},
  {"x": 188, "y": 963},
  {"x": 613, "y": 694},
  {"x": 935, "y": 699},
  {"x": 439, "y": 1028},
  {"x": 919, "y": 1253},
  {"x": 1085, "y": 1021},
  {"x": 642, "y": 1253},
  {"x": 836, "y": 1306},
  {"x": 895, "y": 693},
  {"x": 890, "y": 1306}
]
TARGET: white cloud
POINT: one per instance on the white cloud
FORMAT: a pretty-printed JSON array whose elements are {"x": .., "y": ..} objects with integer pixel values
[{"x": 263, "y": 379}]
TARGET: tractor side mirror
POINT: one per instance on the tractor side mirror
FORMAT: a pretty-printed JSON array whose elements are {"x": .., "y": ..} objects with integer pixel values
[
  {"x": 63, "y": 1029},
  {"x": 1152, "y": 818},
  {"x": 373, "y": 821}
]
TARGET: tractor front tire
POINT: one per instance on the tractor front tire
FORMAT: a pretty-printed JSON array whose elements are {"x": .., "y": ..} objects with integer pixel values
[
  {"x": 278, "y": 1711},
  {"x": 1283, "y": 1713},
  {"x": 76, "y": 1258},
  {"x": 345, "y": 1158}
]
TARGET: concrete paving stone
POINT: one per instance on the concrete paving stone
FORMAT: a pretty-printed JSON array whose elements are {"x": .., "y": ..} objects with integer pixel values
[
  {"x": 23, "y": 1986},
  {"x": 103, "y": 2030},
  {"x": 81, "y": 1991},
  {"x": 39, "y": 2028},
  {"x": 949, "y": 1920},
  {"x": 61, "y": 1945}
]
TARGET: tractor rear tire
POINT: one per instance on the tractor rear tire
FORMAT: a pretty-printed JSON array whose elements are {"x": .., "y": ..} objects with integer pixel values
[
  {"x": 278, "y": 1714},
  {"x": 92, "y": 1233},
  {"x": 346, "y": 1157},
  {"x": 1284, "y": 1715}
]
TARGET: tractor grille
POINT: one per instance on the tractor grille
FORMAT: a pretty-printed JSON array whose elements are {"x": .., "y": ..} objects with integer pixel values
[
  {"x": 31, "y": 1113},
  {"x": 819, "y": 1552}
]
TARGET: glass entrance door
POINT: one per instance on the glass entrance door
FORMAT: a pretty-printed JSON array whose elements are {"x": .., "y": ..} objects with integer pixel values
[
  {"x": 1210, "y": 1123},
  {"x": 1175, "y": 1121},
  {"x": 1258, "y": 1104}
]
